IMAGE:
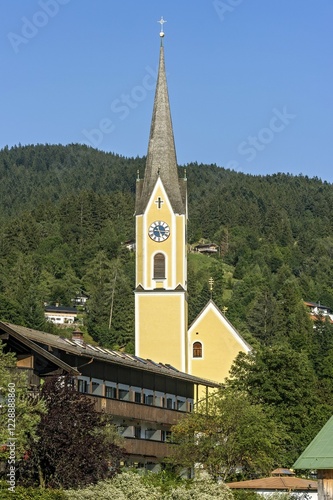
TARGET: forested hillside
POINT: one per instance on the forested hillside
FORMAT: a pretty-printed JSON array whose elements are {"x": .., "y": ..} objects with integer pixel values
[{"x": 66, "y": 210}]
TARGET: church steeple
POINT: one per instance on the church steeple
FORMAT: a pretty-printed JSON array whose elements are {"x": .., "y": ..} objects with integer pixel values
[
  {"x": 161, "y": 309},
  {"x": 160, "y": 251},
  {"x": 161, "y": 157}
]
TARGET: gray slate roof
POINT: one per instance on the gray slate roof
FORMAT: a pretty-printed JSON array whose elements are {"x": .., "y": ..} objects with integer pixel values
[
  {"x": 100, "y": 353},
  {"x": 161, "y": 156}
]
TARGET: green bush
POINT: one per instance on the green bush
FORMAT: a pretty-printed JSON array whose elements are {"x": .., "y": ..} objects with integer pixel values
[
  {"x": 200, "y": 489},
  {"x": 22, "y": 493},
  {"x": 246, "y": 495},
  {"x": 251, "y": 495},
  {"x": 121, "y": 487},
  {"x": 129, "y": 485}
]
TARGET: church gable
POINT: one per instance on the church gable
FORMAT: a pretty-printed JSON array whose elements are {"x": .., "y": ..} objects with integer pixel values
[
  {"x": 160, "y": 243},
  {"x": 159, "y": 202},
  {"x": 213, "y": 344}
]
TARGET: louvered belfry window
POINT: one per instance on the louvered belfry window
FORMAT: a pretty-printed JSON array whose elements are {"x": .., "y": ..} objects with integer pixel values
[
  {"x": 159, "y": 266},
  {"x": 197, "y": 350}
]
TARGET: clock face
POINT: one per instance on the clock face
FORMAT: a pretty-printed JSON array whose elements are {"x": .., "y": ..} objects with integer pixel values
[{"x": 159, "y": 231}]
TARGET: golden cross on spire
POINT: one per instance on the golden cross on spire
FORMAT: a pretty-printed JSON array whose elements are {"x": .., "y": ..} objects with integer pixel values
[{"x": 211, "y": 283}]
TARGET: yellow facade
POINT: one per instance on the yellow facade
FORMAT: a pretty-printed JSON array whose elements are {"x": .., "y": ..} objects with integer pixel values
[
  {"x": 161, "y": 323},
  {"x": 173, "y": 247},
  {"x": 160, "y": 302},
  {"x": 220, "y": 344},
  {"x": 162, "y": 333}
]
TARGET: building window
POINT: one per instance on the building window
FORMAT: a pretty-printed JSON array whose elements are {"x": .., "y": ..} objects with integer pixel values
[
  {"x": 137, "y": 397},
  {"x": 166, "y": 436},
  {"x": 149, "y": 399},
  {"x": 110, "y": 392},
  {"x": 197, "y": 350},
  {"x": 149, "y": 433},
  {"x": 159, "y": 266},
  {"x": 123, "y": 395},
  {"x": 82, "y": 386},
  {"x": 95, "y": 388},
  {"x": 169, "y": 404},
  {"x": 137, "y": 432},
  {"x": 181, "y": 405}
]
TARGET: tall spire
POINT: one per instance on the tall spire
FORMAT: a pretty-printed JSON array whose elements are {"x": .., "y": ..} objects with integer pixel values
[{"x": 161, "y": 157}]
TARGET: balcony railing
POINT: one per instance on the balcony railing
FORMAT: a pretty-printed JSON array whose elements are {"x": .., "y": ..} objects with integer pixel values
[
  {"x": 136, "y": 411},
  {"x": 147, "y": 448}
]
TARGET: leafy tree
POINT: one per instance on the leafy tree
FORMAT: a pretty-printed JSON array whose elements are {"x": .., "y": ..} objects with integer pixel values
[
  {"x": 200, "y": 270},
  {"x": 225, "y": 433},
  {"x": 23, "y": 408},
  {"x": 110, "y": 316},
  {"x": 23, "y": 288},
  {"x": 260, "y": 314},
  {"x": 76, "y": 444},
  {"x": 10, "y": 310},
  {"x": 322, "y": 358},
  {"x": 284, "y": 382},
  {"x": 198, "y": 276},
  {"x": 291, "y": 320}
]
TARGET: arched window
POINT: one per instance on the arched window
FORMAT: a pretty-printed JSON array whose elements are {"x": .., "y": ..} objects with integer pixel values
[
  {"x": 159, "y": 266},
  {"x": 197, "y": 350}
]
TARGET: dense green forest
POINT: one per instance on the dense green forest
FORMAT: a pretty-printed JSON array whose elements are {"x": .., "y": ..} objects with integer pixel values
[{"x": 65, "y": 212}]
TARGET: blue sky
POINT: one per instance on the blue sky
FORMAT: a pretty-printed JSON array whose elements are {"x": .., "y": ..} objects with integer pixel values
[{"x": 250, "y": 81}]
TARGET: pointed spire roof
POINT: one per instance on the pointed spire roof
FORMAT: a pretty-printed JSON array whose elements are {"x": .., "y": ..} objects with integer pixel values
[{"x": 161, "y": 157}]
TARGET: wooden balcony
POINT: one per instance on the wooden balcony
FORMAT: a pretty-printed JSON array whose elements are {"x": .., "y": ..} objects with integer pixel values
[
  {"x": 147, "y": 448},
  {"x": 137, "y": 411}
]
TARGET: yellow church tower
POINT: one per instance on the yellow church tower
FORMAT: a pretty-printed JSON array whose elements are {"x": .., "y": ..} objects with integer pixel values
[{"x": 161, "y": 217}]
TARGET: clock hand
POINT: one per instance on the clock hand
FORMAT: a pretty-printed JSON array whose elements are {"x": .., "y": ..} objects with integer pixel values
[{"x": 157, "y": 232}]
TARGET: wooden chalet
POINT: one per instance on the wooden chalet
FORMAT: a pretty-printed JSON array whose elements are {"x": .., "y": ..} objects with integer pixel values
[
  {"x": 319, "y": 312},
  {"x": 60, "y": 315},
  {"x": 206, "y": 248},
  {"x": 144, "y": 397}
]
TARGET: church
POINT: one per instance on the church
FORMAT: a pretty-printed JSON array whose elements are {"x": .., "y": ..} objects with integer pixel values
[
  {"x": 175, "y": 364},
  {"x": 209, "y": 345}
]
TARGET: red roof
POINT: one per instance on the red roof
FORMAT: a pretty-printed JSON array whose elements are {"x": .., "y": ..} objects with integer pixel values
[
  {"x": 276, "y": 483},
  {"x": 282, "y": 471}
]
